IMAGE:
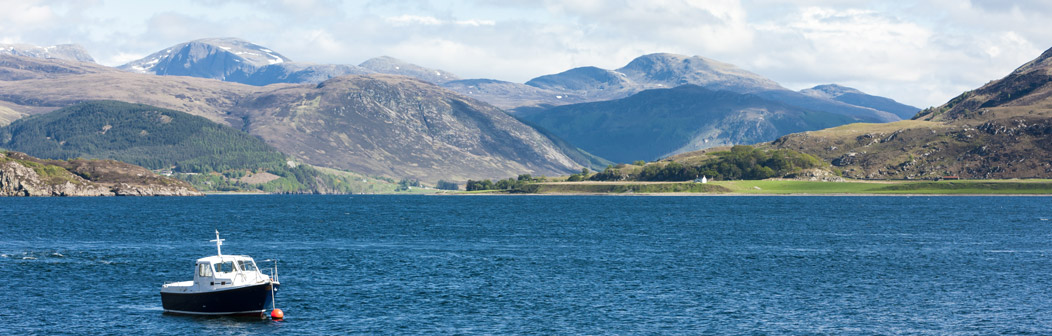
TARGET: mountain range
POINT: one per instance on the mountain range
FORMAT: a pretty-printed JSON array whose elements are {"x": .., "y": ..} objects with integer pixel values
[
  {"x": 391, "y": 118},
  {"x": 240, "y": 61},
  {"x": 664, "y": 104},
  {"x": 654, "y": 71},
  {"x": 399, "y": 127},
  {"x": 661, "y": 122},
  {"x": 236, "y": 60}
]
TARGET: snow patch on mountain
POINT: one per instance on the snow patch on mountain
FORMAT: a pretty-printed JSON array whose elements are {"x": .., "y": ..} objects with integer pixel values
[{"x": 69, "y": 52}]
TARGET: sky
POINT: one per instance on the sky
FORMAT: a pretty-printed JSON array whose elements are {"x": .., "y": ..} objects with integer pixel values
[{"x": 920, "y": 52}]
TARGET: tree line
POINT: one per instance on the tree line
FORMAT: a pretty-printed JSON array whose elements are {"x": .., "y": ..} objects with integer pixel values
[
  {"x": 742, "y": 162},
  {"x": 143, "y": 135},
  {"x": 522, "y": 183}
]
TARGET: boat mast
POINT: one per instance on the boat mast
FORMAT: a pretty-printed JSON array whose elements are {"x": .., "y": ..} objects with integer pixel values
[{"x": 219, "y": 243}]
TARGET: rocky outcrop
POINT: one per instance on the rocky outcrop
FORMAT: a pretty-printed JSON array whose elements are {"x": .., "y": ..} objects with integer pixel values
[
  {"x": 17, "y": 179},
  {"x": 815, "y": 175},
  {"x": 22, "y": 175},
  {"x": 124, "y": 189}
]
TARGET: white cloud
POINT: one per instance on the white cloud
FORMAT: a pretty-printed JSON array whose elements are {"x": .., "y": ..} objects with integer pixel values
[
  {"x": 322, "y": 41},
  {"x": 406, "y": 20},
  {"x": 121, "y": 58},
  {"x": 718, "y": 26},
  {"x": 835, "y": 45},
  {"x": 26, "y": 13},
  {"x": 475, "y": 23}
]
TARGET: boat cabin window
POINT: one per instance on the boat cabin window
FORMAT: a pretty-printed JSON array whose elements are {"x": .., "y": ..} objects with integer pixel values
[
  {"x": 246, "y": 265},
  {"x": 204, "y": 270},
  {"x": 225, "y": 267}
]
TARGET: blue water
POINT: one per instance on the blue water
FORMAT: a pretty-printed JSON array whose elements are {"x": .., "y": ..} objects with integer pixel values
[{"x": 541, "y": 265}]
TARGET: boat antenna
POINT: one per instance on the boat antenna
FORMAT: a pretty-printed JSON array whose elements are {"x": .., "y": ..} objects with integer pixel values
[{"x": 219, "y": 244}]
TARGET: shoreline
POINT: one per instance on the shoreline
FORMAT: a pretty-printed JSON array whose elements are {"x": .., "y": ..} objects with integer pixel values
[{"x": 687, "y": 194}]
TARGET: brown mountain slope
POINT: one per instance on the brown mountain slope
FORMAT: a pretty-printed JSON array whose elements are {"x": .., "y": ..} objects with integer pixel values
[
  {"x": 1002, "y": 148},
  {"x": 1027, "y": 91},
  {"x": 393, "y": 125},
  {"x": 14, "y": 67},
  {"x": 31, "y": 85},
  {"x": 385, "y": 125},
  {"x": 1000, "y": 130}
]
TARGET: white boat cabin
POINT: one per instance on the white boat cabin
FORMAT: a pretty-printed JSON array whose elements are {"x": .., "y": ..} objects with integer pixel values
[{"x": 220, "y": 272}]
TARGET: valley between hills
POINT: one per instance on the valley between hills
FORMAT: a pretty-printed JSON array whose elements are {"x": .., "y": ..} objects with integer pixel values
[{"x": 228, "y": 115}]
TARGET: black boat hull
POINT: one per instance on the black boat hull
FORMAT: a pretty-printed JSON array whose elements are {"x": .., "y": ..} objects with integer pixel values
[{"x": 248, "y": 300}]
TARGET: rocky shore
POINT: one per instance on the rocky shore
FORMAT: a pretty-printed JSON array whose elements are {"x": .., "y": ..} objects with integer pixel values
[{"x": 23, "y": 175}]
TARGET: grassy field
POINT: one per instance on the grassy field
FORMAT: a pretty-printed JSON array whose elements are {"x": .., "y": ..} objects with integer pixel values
[
  {"x": 792, "y": 187},
  {"x": 852, "y": 130}
]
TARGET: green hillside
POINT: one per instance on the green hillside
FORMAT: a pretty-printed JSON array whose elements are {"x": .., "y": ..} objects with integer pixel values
[
  {"x": 139, "y": 134},
  {"x": 209, "y": 155}
]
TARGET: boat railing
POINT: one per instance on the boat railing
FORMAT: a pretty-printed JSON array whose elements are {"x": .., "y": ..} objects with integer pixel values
[{"x": 274, "y": 271}]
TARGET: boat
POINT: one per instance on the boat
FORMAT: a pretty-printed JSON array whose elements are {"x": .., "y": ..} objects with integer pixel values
[{"x": 222, "y": 285}]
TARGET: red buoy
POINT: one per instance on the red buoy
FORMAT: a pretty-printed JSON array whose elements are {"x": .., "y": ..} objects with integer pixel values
[{"x": 277, "y": 314}]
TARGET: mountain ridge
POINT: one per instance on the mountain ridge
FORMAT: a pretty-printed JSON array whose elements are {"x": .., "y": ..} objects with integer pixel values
[
  {"x": 437, "y": 130},
  {"x": 660, "y": 122},
  {"x": 69, "y": 52},
  {"x": 181, "y": 59},
  {"x": 1028, "y": 85},
  {"x": 1000, "y": 130},
  {"x": 412, "y": 109},
  {"x": 235, "y": 60},
  {"x": 856, "y": 97},
  {"x": 651, "y": 71},
  {"x": 670, "y": 70},
  {"x": 578, "y": 85},
  {"x": 393, "y": 66}
]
